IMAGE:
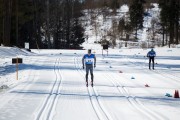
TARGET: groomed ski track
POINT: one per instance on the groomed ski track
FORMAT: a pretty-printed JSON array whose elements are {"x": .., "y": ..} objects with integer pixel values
[{"x": 55, "y": 90}]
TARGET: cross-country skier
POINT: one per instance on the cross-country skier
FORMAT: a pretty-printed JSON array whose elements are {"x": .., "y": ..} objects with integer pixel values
[
  {"x": 151, "y": 55},
  {"x": 90, "y": 61}
]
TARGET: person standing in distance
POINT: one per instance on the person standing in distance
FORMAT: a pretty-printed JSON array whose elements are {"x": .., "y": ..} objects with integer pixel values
[
  {"x": 151, "y": 55},
  {"x": 89, "y": 60}
]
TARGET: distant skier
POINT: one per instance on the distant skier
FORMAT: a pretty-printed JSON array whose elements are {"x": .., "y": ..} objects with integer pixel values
[
  {"x": 89, "y": 60},
  {"x": 151, "y": 55}
]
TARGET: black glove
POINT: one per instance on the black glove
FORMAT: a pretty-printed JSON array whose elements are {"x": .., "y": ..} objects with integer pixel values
[
  {"x": 94, "y": 65},
  {"x": 83, "y": 67}
]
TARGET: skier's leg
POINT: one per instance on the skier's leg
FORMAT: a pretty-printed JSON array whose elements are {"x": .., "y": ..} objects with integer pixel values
[
  {"x": 153, "y": 62},
  {"x": 87, "y": 72},
  {"x": 149, "y": 63},
  {"x": 92, "y": 76}
]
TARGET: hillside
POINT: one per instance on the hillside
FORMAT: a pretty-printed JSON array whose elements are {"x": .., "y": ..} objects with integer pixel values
[{"x": 98, "y": 28}]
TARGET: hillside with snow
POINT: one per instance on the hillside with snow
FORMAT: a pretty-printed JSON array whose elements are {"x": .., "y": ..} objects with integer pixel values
[
  {"x": 97, "y": 25},
  {"x": 50, "y": 83}
]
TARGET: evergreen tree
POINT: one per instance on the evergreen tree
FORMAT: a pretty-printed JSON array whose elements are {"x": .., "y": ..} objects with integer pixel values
[
  {"x": 164, "y": 18},
  {"x": 114, "y": 5},
  {"x": 121, "y": 26},
  {"x": 1, "y": 21},
  {"x": 169, "y": 16},
  {"x": 77, "y": 35},
  {"x": 38, "y": 22},
  {"x": 7, "y": 14},
  {"x": 136, "y": 15},
  {"x": 177, "y": 19}
]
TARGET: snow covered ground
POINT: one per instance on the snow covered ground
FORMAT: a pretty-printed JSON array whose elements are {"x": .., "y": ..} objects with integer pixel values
[{"x": 51, "y": 85}]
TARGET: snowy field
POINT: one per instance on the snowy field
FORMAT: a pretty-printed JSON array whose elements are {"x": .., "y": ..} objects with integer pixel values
[{"x": 51, "y": 85}]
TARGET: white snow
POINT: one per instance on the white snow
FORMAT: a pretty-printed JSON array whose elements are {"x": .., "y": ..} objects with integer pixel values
[
  {"x": 124, "y": 8},
  {"x": 51, "y": 85}
]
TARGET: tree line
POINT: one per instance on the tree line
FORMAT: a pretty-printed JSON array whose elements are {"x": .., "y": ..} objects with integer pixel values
[
  {"x": 165, "y": 26},
  {"x": 58, "y": 24},
  {"x": 168, "y": 25},
  {"x": 42, "y": 23},
  {"x": 170, "y": 21}
]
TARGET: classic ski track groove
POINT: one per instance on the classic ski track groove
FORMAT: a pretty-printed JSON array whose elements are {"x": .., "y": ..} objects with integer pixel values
[
  {"x": 92, "y": 92},
  {"x": 134, "y": 101},
  {"x": 163, "y": 74},
  {"x": 90, "y": 96},
  {"x": 48, "y": 105},
  {"x": 122, "y": 90},
  {"x": 57, "y": 92},
  {"x": 138, "y": 103}
]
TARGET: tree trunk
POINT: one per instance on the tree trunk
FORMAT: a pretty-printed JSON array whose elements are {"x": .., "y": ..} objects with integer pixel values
[
  {"x": 48, "y": 33},
  {"x": 177, "y": 22},
  {"x": 166, "y": 37},
  {"x": 17, "y": 42},
  {"x": 7, "y": 22},
  {"x": 35, "y": 26},
  {"x": 163, "y": 36},
  {"x": 3, "y": 16},
  {"x": 177, "y": 32},
  {"x": 171, "y": 30},
  {"x": 136, "y": 31},
  {"x": 171, "y": 34}
]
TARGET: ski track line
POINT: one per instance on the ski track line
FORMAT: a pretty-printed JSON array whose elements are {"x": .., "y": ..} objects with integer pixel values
[
  {"x": 172, "y": 76},
  {"x": 8, "y": 52},
  {"x": 160, "y": 117},
  {"x": 175, "y": 81},
  {"x": 97, "y": 112},
  {"x": 157, "y": 114},
  {"x": 46, "y": 110},
  {"x": 158, "y": 74},
  {"x": 136, "y": 103},
  {"x": 164, "y": 74},
  {"x": 167, "y": 75},
  {"x": 57, "y": 93},
  {"x": 130, "y": 98},
  {"x": 100, "y": 111}
]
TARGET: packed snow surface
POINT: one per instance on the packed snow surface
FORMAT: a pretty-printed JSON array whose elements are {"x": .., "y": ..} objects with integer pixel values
[{"x": 51, "y": 85}]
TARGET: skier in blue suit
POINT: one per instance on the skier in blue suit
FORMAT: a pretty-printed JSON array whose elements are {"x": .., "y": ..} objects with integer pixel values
[
  {"x": 89, "y": 60},
  {"x": 151, "y": 55}
]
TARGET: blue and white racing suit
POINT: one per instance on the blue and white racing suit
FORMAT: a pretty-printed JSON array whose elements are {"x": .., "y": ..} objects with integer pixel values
[
  {"x": 89, "y": 60},
  {"x": 151, "y": 54}
]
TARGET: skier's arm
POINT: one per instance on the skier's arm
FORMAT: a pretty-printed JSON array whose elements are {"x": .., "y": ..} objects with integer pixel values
[
  {"x": 94, "y": 61},
  {"x": 83, "y": 61},
  {"x": 148, "y": 54}
]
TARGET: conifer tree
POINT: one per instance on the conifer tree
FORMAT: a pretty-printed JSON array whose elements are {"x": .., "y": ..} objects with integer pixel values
[
  {"x": 136, "y": 15},
  {"x": 169, "y": 17}
]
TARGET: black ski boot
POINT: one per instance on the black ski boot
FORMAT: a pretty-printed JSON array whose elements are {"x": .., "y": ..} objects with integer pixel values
[
  {"x": 92, "y": 83},
  {"x": 86, "y": 83}
]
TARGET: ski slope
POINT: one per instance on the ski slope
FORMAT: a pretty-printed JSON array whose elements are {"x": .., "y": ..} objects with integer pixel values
[{"x": 51, "y": 86}]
